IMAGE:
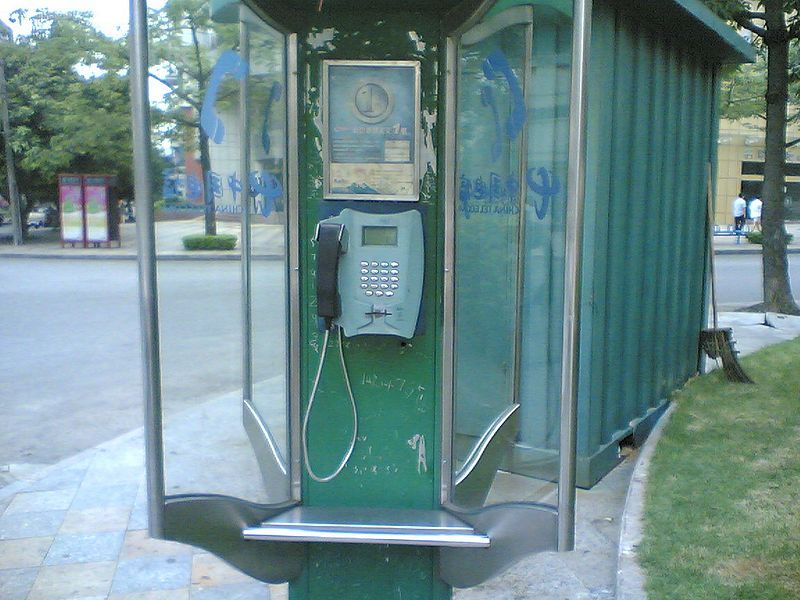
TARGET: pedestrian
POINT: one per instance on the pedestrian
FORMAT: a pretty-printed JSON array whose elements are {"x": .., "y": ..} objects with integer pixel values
[
  {"x": 755, "y": 212},
  {"x": 739, "y": 211}
]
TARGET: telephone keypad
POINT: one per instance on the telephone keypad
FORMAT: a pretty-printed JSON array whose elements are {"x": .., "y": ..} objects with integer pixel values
[{"x": 383, "y": 277}]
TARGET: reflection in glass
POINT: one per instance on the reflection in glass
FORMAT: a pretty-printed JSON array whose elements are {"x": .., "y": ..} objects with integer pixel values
[
  {"x": 214, "y": 442},
  {"x": 512, "y": 111}
]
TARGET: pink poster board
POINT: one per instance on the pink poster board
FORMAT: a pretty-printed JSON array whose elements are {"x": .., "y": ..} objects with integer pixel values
[
  {"x": 96, "y": 198},
  {"x": 71, "y": 202}
]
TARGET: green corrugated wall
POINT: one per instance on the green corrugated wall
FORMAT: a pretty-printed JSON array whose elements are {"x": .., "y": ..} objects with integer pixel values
[{"x": 649, "y": 138}]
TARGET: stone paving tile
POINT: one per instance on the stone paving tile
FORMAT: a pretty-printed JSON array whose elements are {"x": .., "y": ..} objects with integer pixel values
[
  {"x": 84, "y": 548},
  {"x": 152, "y": 573},
  {"x": 41, "y": 501},
  {"x": 208, "y": 570},
  {"x": 139, "y": 543},
  {"x": 68, "y": 478},
  {"x": 180, "y": 594},
  {"x": 95, "y": 520},
  {"x": 30, "y": 524},
  {"x": 16, "y": 583},
  {"x": 139, "y": 519},
  {"x": 73, "y": 581},
  {"x": 90, "y": 496},
  {"x": 236, "y": 591},
  {"x": 30, "y": 552}
]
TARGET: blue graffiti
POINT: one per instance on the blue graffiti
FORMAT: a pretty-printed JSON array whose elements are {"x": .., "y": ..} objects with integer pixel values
[
  {"x": 550, "y": 186},
  {"x": 275, "y": 93},
  {"x": 235, "y": 185},
  {"x": 495, "y": 65},
  {"x": 229, "y": 63},
  {"x": 214, "y": 183},
  {"x": 501, "y": 195},
  {"x": 194, "y": 190}
]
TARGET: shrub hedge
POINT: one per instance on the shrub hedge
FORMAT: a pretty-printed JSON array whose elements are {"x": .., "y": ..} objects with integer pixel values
[{"x": 209, "y": 242}]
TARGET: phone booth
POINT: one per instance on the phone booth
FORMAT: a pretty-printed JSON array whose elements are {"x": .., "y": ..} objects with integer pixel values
[{"x": 410, "y": 235}]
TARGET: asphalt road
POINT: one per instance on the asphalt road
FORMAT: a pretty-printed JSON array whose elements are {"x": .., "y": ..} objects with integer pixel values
[
  {"x": 70, "y": 369},
  {"x": 739, "y": 280}
]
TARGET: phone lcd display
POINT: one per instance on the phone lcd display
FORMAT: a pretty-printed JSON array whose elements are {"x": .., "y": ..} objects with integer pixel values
[{"x": 378, "y": 236}]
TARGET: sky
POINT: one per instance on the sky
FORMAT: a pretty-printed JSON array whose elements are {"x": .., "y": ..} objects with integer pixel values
[{"x": 110, "y": 16}]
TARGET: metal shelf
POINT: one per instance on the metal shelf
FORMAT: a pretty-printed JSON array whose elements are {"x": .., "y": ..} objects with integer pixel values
[{"x": 369, "y": 526}]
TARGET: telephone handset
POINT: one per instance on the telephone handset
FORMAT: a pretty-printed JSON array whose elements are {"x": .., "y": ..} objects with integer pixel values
[{"x": 369, "y": 282}]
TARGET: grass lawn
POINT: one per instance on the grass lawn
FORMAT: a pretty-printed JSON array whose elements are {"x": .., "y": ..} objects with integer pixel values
[{"x": 722, "y": 506}]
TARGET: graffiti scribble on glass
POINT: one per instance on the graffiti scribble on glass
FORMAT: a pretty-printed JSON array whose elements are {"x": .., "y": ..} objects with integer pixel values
[
  {"x": 498, "y": 195},
  {"x": 495, "y": 193},
  {"x": 229, "y": 63}
]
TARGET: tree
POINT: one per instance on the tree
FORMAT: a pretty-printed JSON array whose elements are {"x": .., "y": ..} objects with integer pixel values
[
  {"x": 184, "y": 45},
  {"x": 776, "y": 26},
  {"x": 69, "y": 103}
]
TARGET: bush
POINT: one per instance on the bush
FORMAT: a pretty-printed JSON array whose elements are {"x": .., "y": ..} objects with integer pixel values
[
  {"x": 756, "y": 237},
  {"x": 209, "y": 242}
]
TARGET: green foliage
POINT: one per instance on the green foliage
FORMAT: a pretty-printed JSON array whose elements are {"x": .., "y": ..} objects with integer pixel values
[
  {"x": 199, "y": 241},
  {"x": 721, "y": 507},
  {"x": 757, "y": 237},
  {"x": 68, "y": 101}
]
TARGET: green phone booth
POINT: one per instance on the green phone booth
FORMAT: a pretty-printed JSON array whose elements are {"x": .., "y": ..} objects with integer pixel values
[{"x": 408, "y": 184}]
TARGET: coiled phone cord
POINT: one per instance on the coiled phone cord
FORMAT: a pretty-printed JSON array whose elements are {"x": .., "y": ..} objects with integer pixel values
[{"x": 304, "y": 435}]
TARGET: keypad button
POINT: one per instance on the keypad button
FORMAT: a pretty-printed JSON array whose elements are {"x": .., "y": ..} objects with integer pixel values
[
  {"x": 384, "y": 264},
  {"x": 368, "y": 293},
  {"x": 384, "y": 286},
  {"x": 365, "y": 271},
  {"x": 394, "y": 286},
  {"x": 394, "y": 272},
  {"x": 392, "y": 278},
  {"x": 384, "y": 279},
  {"x": 374, "y": 286},
  {"x": 364, "y": 278},
  {"x": 364, "y": 263},
  {"x": 364, "y": 286},
  {"x": 394, "y": 264},
  {"x": 389, "y": 293},
  {"x": 373, "y": 278},
  {"x": 384, "y": 271},
  {"x": 373, "y": 263},
  {"x": 374, "y": 271},
  {"x": 379, "y": 293}
]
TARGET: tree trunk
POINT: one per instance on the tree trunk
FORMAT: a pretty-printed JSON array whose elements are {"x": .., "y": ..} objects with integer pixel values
[
  {"x": 209, "y": 215},
  {"x": 777, "y": 290}
]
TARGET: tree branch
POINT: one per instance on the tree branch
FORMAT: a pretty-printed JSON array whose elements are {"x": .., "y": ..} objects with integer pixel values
[
  {"x": 742, "y": 21},
  {"x": 793, "y": 143},
  {"x": 174, "y": 89}
]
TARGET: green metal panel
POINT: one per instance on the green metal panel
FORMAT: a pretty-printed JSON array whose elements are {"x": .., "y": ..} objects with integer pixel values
[
  {"x": 595, "y": 256},
  {"x": 395, "y": 382},
  {"x": 650, "y": 133}
]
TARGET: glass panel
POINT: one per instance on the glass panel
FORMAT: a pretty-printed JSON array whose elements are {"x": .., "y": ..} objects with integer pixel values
[
  {"x": 512, "y": 111},
  {"x": 213, "y": 441},
  {"x": 267, "y": 110}
]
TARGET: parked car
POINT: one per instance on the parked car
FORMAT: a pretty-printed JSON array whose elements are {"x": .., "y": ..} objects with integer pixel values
[{"x": 43, "y": 216}]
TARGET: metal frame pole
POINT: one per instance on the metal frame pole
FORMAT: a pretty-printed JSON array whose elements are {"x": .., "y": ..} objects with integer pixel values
[
  {"x": 581, "y": 38},
  {"x": 244, "y": 168},
  {"x": 148, "y": 291}
]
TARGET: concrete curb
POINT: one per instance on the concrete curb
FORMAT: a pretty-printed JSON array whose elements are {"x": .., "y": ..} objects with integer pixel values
[{"x": 630, "y": 577}]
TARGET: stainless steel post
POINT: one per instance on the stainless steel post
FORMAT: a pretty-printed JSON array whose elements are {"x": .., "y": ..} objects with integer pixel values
[
  {"x": 148, "y": 291},
  {"x": 244, "y": 168},
  {"x": 581, "y": 38}
]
